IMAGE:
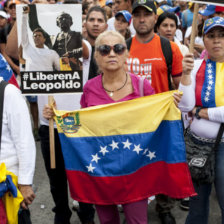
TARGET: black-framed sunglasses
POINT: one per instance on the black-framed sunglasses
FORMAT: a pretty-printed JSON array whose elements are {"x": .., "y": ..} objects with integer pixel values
[{"x": 104, "y": 50}]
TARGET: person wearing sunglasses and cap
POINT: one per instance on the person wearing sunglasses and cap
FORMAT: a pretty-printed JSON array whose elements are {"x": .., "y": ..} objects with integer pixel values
[
  {"x": 202, "y": 84},
  {"x": 122, "y": 22}
]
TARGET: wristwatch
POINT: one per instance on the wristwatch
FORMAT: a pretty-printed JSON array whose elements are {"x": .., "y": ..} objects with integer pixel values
[{"x": 197, "y": 113}]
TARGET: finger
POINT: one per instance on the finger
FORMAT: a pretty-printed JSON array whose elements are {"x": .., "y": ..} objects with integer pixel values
[{"x": 23, "y": 205}]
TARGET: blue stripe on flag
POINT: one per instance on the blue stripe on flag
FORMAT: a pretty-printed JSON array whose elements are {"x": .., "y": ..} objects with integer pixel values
[{"x": 124, "y": 154}]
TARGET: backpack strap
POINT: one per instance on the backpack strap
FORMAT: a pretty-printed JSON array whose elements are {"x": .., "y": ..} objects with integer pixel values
[
  {"x": 219, "y": 136},
  {"x": 3, "y": 84},
  {"x": 128, "y": 43},
  {"x": 167, "y": 52}
]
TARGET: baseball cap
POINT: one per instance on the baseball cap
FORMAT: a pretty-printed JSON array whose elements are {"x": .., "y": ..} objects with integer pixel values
[
  {"x": 3, "y": 14},
  {"x": 148, "y": 4},
  {"x": 213, "y": 22},
  {"x": 167, "y": 8},
  {"x": 109, "y": 2},
  {"x": 126, "y": 14},
  {"x": 210, "y": 10}
]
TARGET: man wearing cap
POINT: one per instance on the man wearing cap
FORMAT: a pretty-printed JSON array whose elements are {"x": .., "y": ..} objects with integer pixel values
[
  {"x": 121, "y": 23},
  {"x": 120, "y": 5},
  {"x": 146, "y": 59}
]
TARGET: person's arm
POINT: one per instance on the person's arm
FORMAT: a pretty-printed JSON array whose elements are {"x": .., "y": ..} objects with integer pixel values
[
  {"x": 187, "y": 86},
  {"x": 11, "y": 48},
  {"x": 34, "y": 23},
  {"x": 24, "y": 31},
  {"x": 8, "y": 59},
  {"x": 56, "y": 61}
]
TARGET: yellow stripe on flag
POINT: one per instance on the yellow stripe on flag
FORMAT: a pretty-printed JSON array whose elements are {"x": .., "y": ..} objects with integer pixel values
[{"x": 130, "y": 117}]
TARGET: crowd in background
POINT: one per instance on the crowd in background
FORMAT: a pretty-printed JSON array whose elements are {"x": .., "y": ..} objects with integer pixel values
[{"x": 173, "y": 21}]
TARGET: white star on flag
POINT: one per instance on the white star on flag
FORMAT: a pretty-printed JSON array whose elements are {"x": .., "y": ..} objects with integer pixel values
[
  {"x": 210, "y": 77},
  {"x": 127, "y": 144},
  {"x": 209, "y": 65},
  {"x": 95, "y": 158},
  {"x": 3, "y": 59},
  {"x": 209, "y": 71},
  {"x": 8, "y": 68},
  {"x": 151, "y": 155},
  {"x": 114, "y": 145},
  {"x": 206, "y": 99},
  {"x": 103, "y": 150},
  {"x": 145, "y": 151},
  {"x": 210, "y": 82},
  {"x": 209, "y": 88},
  {"x": 137, "y": 149},
  {"x": 90, "y": 168},
  {"x": 207, "y": 93}
]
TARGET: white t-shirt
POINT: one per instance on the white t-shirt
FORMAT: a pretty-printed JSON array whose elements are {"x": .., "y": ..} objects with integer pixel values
[{"x": 18, "y": 150}]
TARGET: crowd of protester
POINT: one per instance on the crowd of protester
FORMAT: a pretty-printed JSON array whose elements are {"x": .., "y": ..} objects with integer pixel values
[{"x": 145, "y": 26}]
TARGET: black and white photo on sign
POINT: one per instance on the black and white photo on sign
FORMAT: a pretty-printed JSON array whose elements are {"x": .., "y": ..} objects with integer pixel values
[{"x": 50, "y": 46}]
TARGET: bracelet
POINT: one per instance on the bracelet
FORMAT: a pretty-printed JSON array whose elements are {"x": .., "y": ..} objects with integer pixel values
[{"x": 197, "y": 112}]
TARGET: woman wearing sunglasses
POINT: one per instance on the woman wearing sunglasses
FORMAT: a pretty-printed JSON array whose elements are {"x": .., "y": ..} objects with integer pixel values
[
  {"x": 202, "y": 83},
  {"x": 114, "y": 85}
]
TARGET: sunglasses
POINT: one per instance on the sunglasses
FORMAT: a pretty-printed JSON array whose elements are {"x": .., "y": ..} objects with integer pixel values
[{"x": 106, "y": 49}]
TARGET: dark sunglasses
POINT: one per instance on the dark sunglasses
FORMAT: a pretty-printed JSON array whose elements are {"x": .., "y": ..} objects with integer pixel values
[{"x": 106, "y": 49}]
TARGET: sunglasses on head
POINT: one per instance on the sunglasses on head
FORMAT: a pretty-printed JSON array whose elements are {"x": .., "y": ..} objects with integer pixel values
[{"x": 104, "y": 50}]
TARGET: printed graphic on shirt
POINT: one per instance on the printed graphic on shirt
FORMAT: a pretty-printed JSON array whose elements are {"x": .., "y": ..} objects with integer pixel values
[{"x": 147, "y": 60}]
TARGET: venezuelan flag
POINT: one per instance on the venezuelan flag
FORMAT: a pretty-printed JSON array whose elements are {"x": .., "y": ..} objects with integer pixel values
[
  {"x": 6, "y": 72},
  {"x": 124, "y": 152},
  {"x": 12, "y": 198},
  {"x": 209, "y": 88}
]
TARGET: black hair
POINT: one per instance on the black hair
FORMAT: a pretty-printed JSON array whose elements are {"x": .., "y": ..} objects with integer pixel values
[
  {"x": 163, "y": 16},
  {"x": 85, "y": 6},
  {"x": 41, "y": 31},
  {"x": 97, "y": 9},
  {"x": 64, "y": 14}
]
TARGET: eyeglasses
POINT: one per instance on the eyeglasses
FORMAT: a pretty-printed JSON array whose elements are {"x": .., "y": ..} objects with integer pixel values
[{"x": 106, "y": 49}]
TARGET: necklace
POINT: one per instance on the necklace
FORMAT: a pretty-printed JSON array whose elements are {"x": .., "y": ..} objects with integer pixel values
[{"x": 111, "y": 92}]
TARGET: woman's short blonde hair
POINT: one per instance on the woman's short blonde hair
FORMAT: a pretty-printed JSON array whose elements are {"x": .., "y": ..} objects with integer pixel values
[{"x": 108, "y": 33}]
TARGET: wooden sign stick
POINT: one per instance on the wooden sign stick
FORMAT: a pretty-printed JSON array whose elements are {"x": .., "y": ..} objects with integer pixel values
[
  {"x": 51, "y": 135},
  {"x": 194, "y": 28}
]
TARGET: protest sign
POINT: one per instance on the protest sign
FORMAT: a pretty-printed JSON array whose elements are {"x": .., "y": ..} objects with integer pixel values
[{"x": 50, "y": 43}]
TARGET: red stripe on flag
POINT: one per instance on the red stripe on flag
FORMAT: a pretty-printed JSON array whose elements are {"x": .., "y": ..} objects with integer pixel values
[
  {"x": 200, "y": 78},
  {"x": 173, "y": 180},
  {"x": 13, "y": 81}
]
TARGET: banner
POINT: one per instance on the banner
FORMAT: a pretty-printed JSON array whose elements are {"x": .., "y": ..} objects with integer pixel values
[
  {"x": 50, "y": 48},
  {"x": 124, "y": 152}
]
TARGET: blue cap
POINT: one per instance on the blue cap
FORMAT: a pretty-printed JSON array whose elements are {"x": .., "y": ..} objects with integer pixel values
[
  {"x": 208, "y": 11},
  {"x": 126, "y": 14},
  {"x": 109, "y": 2},
  {"x": 167, "y": 8},
  {"x": 213, "y": 22}
]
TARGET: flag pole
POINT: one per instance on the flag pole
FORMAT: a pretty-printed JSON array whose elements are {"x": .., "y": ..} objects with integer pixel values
[
  {"x": 194, "y": 27},
  {"x": 51, "y": 135}
]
